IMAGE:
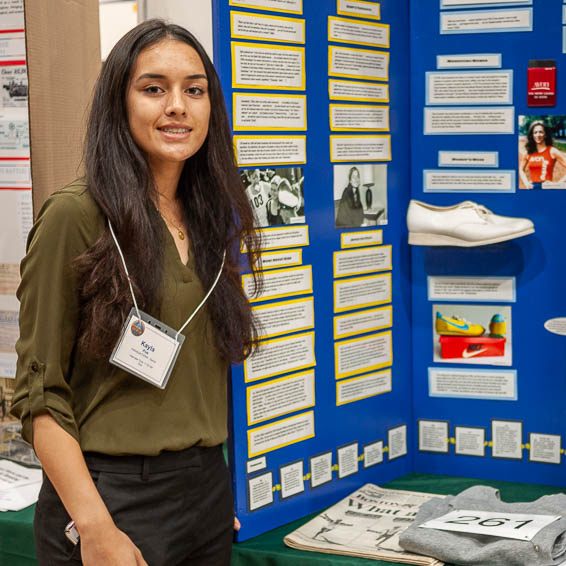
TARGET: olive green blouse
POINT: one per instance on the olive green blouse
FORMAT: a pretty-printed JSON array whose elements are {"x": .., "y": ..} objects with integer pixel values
[{"x": 105, "y": 408}]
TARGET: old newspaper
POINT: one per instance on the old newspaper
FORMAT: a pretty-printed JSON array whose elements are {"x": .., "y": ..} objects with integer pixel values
[{"x": 367, "y": 523}]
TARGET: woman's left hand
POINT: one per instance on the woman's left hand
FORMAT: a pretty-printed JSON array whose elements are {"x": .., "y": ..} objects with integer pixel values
[{"x": 237, "y": 524}]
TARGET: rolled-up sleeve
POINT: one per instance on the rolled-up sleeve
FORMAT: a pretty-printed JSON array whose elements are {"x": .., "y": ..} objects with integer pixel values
[{"x": 49, "y": 313}]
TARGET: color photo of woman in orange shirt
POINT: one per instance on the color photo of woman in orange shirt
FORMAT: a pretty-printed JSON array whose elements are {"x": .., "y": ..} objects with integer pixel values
[{"x": 538, "y": 160}]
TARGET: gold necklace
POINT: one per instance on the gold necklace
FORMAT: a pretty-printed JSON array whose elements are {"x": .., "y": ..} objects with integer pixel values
[{"x": 180, "y": 232}]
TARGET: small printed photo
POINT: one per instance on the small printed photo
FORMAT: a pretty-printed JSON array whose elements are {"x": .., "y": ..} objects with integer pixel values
[
  {"x": 360, "y": 195},
  {"x": 472, "y": 334},
  {"x": 542, "y": 152},
  {"x": 276, "y": 195},
  {"x": 14, "y": 81}
]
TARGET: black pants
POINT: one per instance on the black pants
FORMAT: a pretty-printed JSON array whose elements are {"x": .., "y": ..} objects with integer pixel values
[{"x": 176, "y": 507}]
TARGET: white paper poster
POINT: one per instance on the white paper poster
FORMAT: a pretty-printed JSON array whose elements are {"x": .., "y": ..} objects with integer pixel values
[
  {"x": 9, "y": 334},
  {"x": 358, "y": 117},
  {"x": 397, "y": 441},
  {"x": 258, "y": 65},
  {"x": 270, "y": 111},
  {"x": 485, "y": 3},
  {"x": 469, "y": 87},
  {"x": 292, "y": 6},
  {"x": 506, "y": 439},
  {"x": 468, "y": 159},
  {"x": 473, "y": 383},
  {"x": 16, "y": 217},
  {"x": 362, "y": 292},
  {"x": 373, "y": 454},
  {"x": 256, "y": 465},
  {"x": 286, "y": 258},
  {"x": 280, "y": 283},
  {"x": 13, "y": 84},
  {"x": 277, "y": 238},
  {"x": 359, "y": 355},
  {"x": 260, "y": 491},
  {"x": 291, "y": 479},
  {"x": 355, "y": 31},
  {"x": 358, "y": 239},
  {"x": 14, "y": 133},
  {"x": 438, "y": 180},
  {"x": 360, "y": 148},
  {"x": 279, "y": 396},
  {"x": 246, "y": 25},
  {"x": 280, "y": 355},
  {"x": 12, "y": 14},
  {"x": 353, "y": 90},
  {"x": 15, "y": 174},
  {"x": 483, "y": 60},
  {"x": 359, "y": 8},
  {"x": 469, "y": 441},
  {"x": 321, "y": 469},
  {"x": 481, "y": 120},
  {"x": 12, "y": 45},
  {"x": 362, "y": 321},
  {"x": 280, "y": 433},
  {"x": 283, "y": 317},
  {"x": 16, "y": 475},
  {"x": 366, "y": 260},
  {"x": 433, "y": 436},
  {"x": 358, "y": 388},
  {"x": 486, "y": 289},
  {"x": 270, "y": 150},
  {"x": 9, "y": 277},
  {"x": 545, "y": 448},
  {"x": 493, "y": 21},
  {"x": 347, "y": 460},
  {"x": 358, "y": 63}
]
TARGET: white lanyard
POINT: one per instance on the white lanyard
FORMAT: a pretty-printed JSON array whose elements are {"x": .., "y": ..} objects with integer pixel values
[
  {"x": 148, "y": 348},
  {"x": 132, "y": 289}
]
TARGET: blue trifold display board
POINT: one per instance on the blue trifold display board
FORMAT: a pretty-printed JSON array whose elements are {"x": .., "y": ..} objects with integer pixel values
[
  {"x": 532, "y": 400},
  {"x": 355, "y": 383}
]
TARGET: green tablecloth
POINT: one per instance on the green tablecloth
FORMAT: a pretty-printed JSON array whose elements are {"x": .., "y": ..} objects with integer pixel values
[
  {"x": 268, "y": 549},
  {"x": 16, "y": 538},
  {"x": 16, "y": 531}
]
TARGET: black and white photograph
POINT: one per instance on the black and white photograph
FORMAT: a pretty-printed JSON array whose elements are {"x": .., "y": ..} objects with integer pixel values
[
  {"x": 360, "y": 195},
  {"x": 14, "y": 81},
  {"x": 276, "y": 195}
]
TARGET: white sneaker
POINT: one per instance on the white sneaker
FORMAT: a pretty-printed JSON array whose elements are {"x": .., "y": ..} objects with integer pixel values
[{"x": 466, "y": 224}]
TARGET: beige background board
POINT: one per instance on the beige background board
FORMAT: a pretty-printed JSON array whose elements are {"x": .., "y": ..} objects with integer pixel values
[{"x": 63, "y": 48}]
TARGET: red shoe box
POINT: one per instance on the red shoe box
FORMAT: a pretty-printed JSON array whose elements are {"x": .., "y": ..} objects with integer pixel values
[{"x": 471, "y": 346}]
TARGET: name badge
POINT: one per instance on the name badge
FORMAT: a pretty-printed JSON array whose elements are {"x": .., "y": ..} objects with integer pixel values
[{"x": 147, "y": 348}]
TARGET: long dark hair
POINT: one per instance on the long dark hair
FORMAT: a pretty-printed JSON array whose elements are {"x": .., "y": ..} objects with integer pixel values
[
  {"x": 215, "y": 208},
  {"x": 354, "y": 201},
  {"x": 531, "y": 144}
]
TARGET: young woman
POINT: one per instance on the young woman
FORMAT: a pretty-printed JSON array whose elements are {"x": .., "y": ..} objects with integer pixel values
[
  {"x": 137, "y": 467},
  {"x": 539, "y": 158},
  {"x": 273, "y": 205},
  {"x": 350, "y": 209}
]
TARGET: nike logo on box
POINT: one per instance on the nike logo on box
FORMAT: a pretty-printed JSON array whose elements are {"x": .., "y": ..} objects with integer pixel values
[{"x": 468, "y": 354}]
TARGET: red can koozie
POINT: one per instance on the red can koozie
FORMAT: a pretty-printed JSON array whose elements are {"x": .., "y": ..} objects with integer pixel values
[{"x": 541, "y": 83}]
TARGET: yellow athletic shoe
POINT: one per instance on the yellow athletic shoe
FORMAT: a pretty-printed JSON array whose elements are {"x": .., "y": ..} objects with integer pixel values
[
  {"x": 497, "y": 326},
  {"x": 456, "y": 326}
]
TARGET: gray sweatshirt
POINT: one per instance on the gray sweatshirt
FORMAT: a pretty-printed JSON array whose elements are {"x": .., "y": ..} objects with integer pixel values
[{"x": 547, "y": 548}]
